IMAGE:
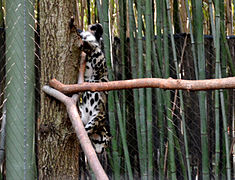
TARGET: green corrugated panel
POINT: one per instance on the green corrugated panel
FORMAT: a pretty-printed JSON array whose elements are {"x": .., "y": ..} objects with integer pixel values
[{"x": 20, "y": 157}]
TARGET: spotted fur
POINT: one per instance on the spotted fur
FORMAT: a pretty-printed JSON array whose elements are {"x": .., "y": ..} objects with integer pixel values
[{"x": 93, "y": 105}]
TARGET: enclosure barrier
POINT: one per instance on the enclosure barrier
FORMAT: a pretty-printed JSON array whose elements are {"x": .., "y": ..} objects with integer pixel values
[
  {"x": 70, "y": 103},
  {"x": 157, "y": 133},
  {"x": 20, "y": 80}
]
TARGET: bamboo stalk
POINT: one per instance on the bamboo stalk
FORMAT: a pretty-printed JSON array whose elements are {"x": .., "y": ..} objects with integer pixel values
[
  {"x": 217, "y": 136},
  {"x": 225, "y": 47},
  {"x": 160, "y": 93},
  {"x": 159, "y": 30},
  {"x": 111, "y": 103},
  {"x": 192, "y": 40},
  {"x": 187, "y": 156},
  {"x": 181, "y": 95},
  {"x": 149, "y": 91},
  {"x": 138, "y": 95},
  {"x": 100, "y": 10},
  {"x": 123, "y": 44},
  {"x": 229, "y": 17},
  {"x": 222, "y": 73},
  {"x": 224, "y": 118},
  {"x": 170, "y": 123},
  {"x": 159, "y": 101},
  {"x": 123, "y": 137},
  {"x": 172, "y": 39},
  {"x": 183, "y": 13},
  {"x": 140, "y": 126},
  {"x": 88, "y": 12},
  {"x": 216, "y": 35},
  {"x": 225, "y": 128},
  {"x": 113, "y": 131},
  {"x": 202, "y": 95},
  {"x": 82, "y": 13},
  {"x": 172, "y": 166},
  {"x": 177, "y": 144},
  {"x": 176, "y": 17},
  {"x": 134, "y": 74},
  {"x": 227, "y": 50},
  {"x": 122, "y": 9}
]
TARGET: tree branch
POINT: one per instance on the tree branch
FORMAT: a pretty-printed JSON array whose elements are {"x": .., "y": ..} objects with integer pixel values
[
  {"x": 190, "y": 85},
  {"x": 80, "y": 131},
  {"x": 81, "y": 73}
]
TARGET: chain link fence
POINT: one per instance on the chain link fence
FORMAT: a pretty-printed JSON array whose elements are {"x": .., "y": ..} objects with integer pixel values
[
  {"x": 146, "y": 152},
  {"x": 191, "y": 114}
]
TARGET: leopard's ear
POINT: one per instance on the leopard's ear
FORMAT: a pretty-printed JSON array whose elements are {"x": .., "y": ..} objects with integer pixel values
[{"x": 96, "y": 30}]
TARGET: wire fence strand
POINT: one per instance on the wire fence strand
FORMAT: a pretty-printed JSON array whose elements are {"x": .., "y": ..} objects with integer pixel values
[{"x": 156, "y": 133}]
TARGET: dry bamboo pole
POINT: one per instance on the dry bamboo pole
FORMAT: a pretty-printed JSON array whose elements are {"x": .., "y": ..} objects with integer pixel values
[
  {"x": 229, "y": 17},
  {"x": 183, "y": 15}
]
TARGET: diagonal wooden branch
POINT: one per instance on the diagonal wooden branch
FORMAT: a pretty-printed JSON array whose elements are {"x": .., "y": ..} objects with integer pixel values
[
  {"x": 190, "y": 85},
  {"x": 80, "y": 131}
]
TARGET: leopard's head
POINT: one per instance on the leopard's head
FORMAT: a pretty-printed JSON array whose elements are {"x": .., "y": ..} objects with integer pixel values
[
  {"x": 91, "y": 38},
  {"x": 86, "y": 40},
  {"x": 96, "y": 30}
]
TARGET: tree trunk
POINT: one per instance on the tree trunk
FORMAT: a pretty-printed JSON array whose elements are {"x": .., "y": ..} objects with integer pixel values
[{"x": 58, "y": 147}]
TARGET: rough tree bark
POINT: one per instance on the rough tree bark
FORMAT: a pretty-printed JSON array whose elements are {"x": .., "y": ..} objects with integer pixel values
[{"x": 58, "y": 147}]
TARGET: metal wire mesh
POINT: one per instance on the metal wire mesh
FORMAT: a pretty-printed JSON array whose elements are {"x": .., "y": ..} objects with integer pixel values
[
  {"x": 17, "y": 89},
  {"x": 28, "y": 72},
  {"x": 191, "y": 112}
]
